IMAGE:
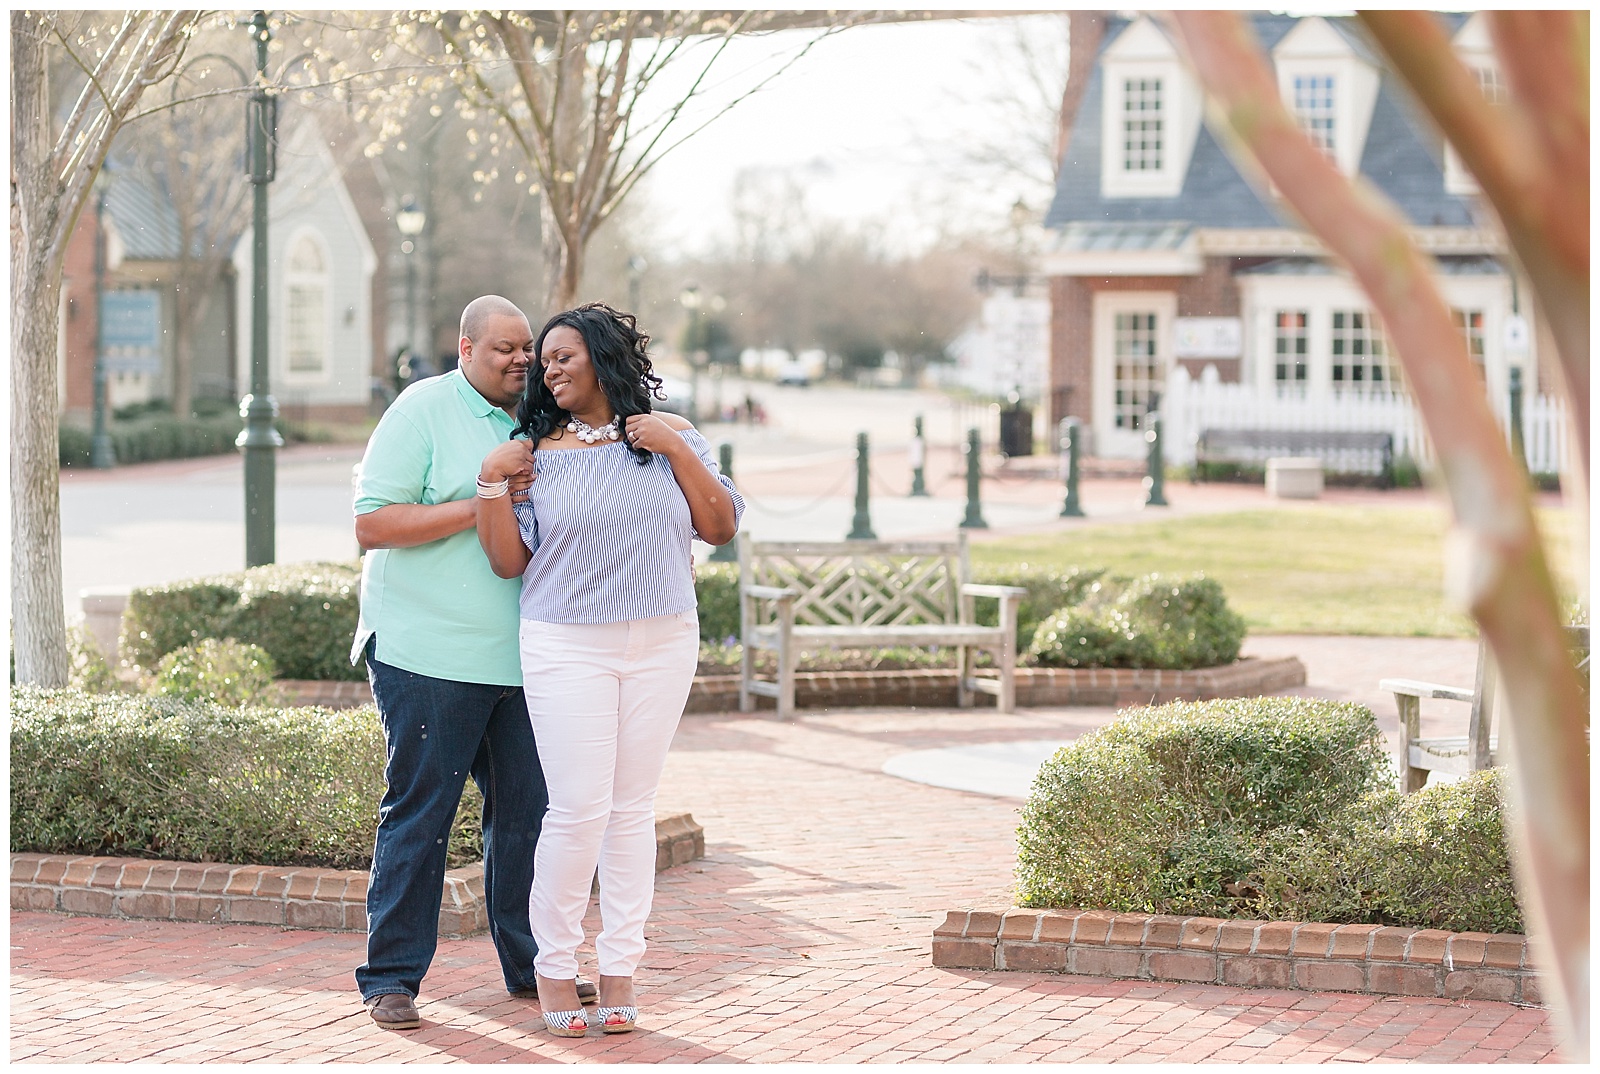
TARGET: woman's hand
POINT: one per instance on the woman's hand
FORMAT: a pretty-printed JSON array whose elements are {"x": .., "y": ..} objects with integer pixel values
[
  {"x": 512, "y": 460},
  {"x": 649, "y": 432}
]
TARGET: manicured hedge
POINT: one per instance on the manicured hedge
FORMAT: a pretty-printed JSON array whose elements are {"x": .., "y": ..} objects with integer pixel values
[
  {"x": 1268, "y": 808},
  {"x": 303, "y": 614},
  {"x": 151, "y": 776},
  {"x": 153, "y": 437},
  {"x": 1157, "y": 621}
]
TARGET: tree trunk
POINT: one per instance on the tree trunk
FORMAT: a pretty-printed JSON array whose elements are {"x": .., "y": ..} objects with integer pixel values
[{"x": 38, "y": 618}]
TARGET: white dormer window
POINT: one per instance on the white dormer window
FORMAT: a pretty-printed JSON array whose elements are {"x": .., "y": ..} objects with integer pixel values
[
  {"x": 1150, "y": 115},
  {"x": 1473, "y": 46},
  {"x": 1317, "y": 109},
  {"x": 1330, "y": 88}
]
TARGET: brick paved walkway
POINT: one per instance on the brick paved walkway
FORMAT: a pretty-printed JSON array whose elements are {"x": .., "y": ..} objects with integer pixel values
[{"x": 803, "y": 935}]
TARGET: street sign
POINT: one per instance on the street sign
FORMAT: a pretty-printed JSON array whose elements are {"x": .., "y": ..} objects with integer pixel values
[
  {"x": 1207, "y": 337},
  {"x": 130, "y": 331}
]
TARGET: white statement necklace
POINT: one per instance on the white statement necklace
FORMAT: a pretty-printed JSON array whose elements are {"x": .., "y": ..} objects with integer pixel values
[{"x": 590, "y": 434}]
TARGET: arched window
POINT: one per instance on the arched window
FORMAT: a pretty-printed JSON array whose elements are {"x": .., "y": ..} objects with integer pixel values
[{"x": 305, "y": 334}]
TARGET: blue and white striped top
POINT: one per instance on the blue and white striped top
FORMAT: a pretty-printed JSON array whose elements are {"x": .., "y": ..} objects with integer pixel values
[{"x": 609, "y": 537}]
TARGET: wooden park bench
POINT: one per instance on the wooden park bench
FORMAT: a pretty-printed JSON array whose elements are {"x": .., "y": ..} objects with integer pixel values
[
  {"x": 1457, "y": 754},
  {"x": 1340, "y": 451},
  {"x": 796, "y": 595}
]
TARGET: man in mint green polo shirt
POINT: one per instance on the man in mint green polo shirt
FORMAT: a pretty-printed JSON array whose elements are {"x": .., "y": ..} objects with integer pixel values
[{"x": 439, "y": 632}]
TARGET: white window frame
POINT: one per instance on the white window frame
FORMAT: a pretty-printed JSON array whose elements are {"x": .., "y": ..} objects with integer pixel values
[
  {"x": 1315, "y": 49},
  {"x": 1110, "y": 440},
  {"x": 1321, "y": 295},
  {"x": 1315, "y": 104},
  {"x": 1142, "y": 53},
  {"x": 322, "y": 282}
]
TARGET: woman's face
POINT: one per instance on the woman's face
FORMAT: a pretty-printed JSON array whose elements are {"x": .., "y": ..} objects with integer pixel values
[{"x": 568, "y": 373}]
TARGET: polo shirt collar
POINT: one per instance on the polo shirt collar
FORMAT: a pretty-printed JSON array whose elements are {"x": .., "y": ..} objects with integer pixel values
[{"x": 480, "y": 407}]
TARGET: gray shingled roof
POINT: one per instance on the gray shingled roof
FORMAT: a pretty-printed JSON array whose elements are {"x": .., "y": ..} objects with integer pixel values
[
  {"x": 143, "y": 216},
  {"x": 1396, "y": 158}
]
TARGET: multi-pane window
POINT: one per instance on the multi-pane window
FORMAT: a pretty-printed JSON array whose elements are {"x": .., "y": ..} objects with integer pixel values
[
  {"x": 1470, "y": 324},
  {"x": 1491, "y": 84},
  {"x": 305, "y": 334},
  {"x": 1290, "y": 346},
  {"x": 1141, "y": 125},
  {"x": 1137, "y": 368},
  {"x": 1314, "y": 108},
  {"x": 1360, "y": 358}
]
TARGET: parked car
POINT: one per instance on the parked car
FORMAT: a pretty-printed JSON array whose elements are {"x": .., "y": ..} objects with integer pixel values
[
  {"x": 793, "y": 373},
  {"x": 678, "y": 393}
]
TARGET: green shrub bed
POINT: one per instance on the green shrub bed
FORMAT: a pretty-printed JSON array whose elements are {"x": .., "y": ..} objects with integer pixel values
[
  {"x": 303, "y": 614},
  {"x": 1156, "y": 621},
  {"x": 152, "y": 437},
  {"x": 156, "y": 776},
  {"x": 1268, "y": 808}
]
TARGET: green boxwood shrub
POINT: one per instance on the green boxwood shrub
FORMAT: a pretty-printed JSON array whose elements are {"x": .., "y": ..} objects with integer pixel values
[
  {"x": 154, "y": 776},
  {"x": 1048, "y": 590},
  {"x": 222, "y": 671},
  {"x": 1157, "y": 621},
  {"x": 1261, "y": 808},
  {"x": 716, "y": 590},
  {"x": 303, "y": 614},
  {"x": 153, "y": 436}
]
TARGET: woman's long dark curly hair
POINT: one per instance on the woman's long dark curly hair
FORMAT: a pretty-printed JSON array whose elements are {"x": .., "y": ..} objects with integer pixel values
[{"x": 618, "y": 352}]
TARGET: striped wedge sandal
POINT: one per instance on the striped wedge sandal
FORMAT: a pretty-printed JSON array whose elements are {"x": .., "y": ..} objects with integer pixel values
[
  {"x": 625, "y": 1019},
  {"x": 566, "y": 1023}
]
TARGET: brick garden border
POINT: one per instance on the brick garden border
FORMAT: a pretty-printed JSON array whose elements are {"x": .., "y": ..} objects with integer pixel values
[
  {"x": 1118, "y": 687},
  {"x": 290, "y": 897},
  {"x": 1372, "y": 959}
]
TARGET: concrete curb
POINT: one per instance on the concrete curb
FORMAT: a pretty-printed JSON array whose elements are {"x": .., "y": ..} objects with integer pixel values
[
  {"x": 1036, "y": 687},
  {"x": 289, "y": 897},
  {"x": 1313, "y": 957}
]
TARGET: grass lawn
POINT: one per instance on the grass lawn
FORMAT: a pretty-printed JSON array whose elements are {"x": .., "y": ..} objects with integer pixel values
[{"x": 1289, "y": 570}]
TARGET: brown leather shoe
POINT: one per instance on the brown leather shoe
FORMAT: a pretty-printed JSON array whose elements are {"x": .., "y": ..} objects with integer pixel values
[{"x": 395, "y": 1010}]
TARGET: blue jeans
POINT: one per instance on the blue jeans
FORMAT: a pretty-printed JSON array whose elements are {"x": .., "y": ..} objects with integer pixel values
[{"x": 435, "y": 732}]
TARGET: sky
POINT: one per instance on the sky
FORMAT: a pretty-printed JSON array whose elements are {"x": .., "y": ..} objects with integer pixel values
[{"x": 873, "y": 120}]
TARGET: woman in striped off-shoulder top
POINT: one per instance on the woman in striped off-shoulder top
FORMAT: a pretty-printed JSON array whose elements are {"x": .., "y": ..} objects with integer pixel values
[{"x": 609, "y": 634}]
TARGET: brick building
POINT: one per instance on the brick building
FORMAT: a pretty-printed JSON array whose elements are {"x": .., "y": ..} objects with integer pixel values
[{"x": 1163, "y": 255}]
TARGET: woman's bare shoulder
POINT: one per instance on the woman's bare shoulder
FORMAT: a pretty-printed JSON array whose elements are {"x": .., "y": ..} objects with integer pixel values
[{"x": 674, "y": 421}]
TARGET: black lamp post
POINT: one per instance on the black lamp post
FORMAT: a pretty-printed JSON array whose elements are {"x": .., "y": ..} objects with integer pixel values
[
  {"x": 101, "y": 454},
  {"x": 260, "y": 440},
  {"x": 410, "y": 219}
]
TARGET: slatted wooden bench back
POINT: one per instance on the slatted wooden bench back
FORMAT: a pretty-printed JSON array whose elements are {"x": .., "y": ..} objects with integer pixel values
[{"x": 862, "y": 583}]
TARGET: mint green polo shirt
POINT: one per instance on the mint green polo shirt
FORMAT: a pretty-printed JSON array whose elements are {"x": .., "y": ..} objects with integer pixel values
[{"x": 436, "y": 608}]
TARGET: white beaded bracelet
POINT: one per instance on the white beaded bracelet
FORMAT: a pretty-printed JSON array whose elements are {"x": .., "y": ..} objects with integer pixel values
[{"x": 493, "y": 490}]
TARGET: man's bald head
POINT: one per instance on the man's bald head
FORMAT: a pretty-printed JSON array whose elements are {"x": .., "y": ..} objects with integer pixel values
[{"x": 479, "y": 310}]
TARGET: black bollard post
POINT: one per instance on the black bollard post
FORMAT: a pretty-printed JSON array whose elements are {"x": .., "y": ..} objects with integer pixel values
[
  {"x": 1156, "y": 476},
  {"x": 974, "y": 519},
  {"x": 1518, "y": 451},
  {"x": 919, "y": 459},
  {"x": 861, "y": 525},
  {"x": 1069, "y": 467},
  {"x": 725, "y": 553}
]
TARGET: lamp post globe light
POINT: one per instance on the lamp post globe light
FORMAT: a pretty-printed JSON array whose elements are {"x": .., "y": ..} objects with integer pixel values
[
  {"x": 101, "y": 454},
  {"x": 410, "y": 220}
]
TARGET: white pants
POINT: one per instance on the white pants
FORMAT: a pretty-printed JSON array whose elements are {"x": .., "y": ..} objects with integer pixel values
[{"x": 604, "y": 699}]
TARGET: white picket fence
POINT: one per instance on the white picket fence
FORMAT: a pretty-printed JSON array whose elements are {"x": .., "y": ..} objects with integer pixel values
[{"x": 1189, "y": 406}]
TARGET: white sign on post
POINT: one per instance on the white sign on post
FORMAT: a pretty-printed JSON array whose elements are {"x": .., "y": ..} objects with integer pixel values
[{"x": 1207, "y": 337}]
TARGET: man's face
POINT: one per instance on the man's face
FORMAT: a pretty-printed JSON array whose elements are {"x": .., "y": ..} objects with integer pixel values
[{"x": 496, "y": 363}]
